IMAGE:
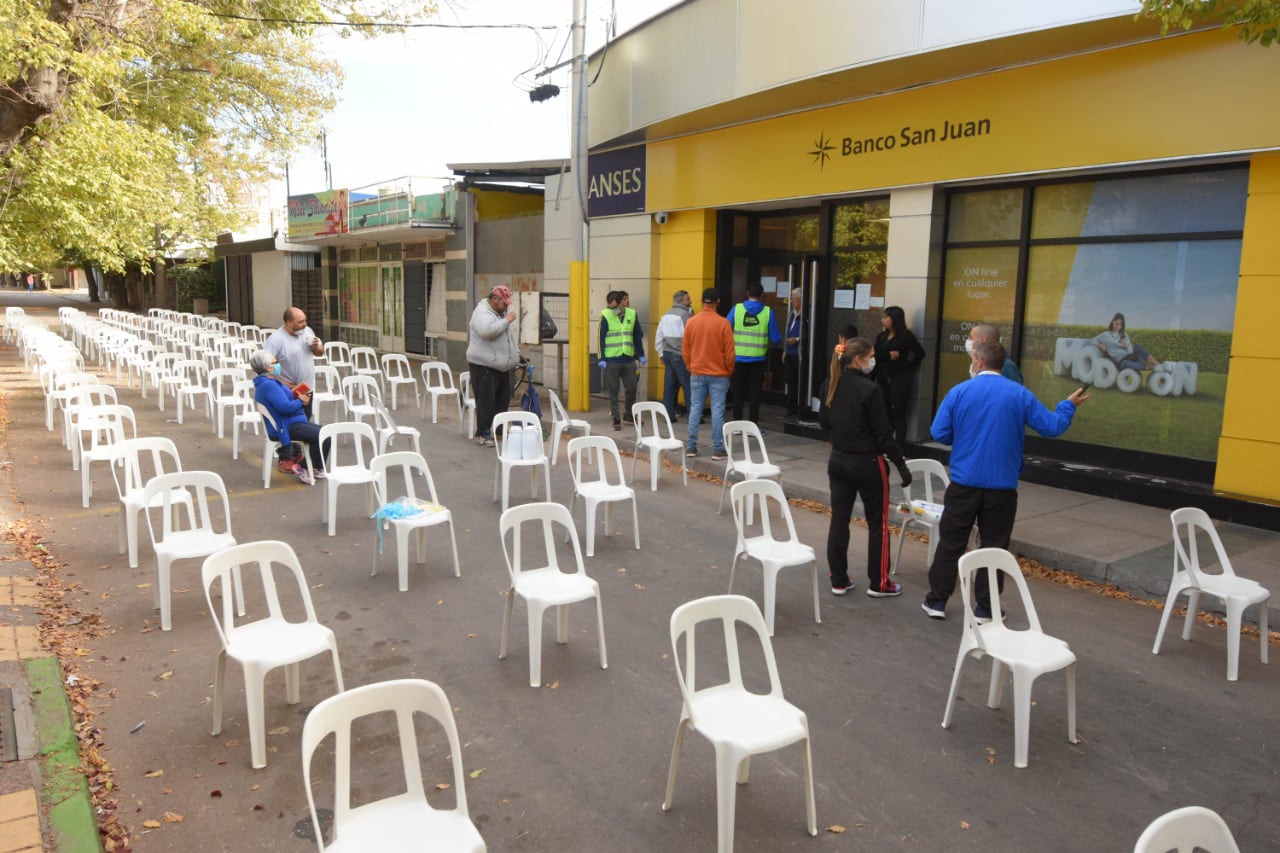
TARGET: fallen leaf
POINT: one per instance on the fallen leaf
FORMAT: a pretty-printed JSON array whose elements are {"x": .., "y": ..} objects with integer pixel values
[
  {"x": 151, "y": 824},
  {"x": 153, "y": 774},
  {"x": 475, "y": 774},
  {"x": 173, "y": 817},
  {"x": 144, "y": 586},
  {"x": 255, "y": 787},
  {"x": 471, "y": 636},
  {"x": 638, "y": 586},
  {"x": 257, "y": 807},
  {"x": 443, "y": 786},
  {"x": 279, "y": 730},
  {"x": 964, "y": 824},
  {"x": 835, "y": 828},
  {"x": 215, "y": 793},
  {"x": 165, "y": 676},
  {"x": 555, "y": 685}
]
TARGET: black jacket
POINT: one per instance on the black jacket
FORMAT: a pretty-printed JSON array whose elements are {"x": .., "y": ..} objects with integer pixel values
[
  {"x": 857, "y": 421},
  {"x": 910, "y": 354}
]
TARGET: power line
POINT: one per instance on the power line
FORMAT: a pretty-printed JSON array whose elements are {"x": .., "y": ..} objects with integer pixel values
[{"x": 380, "y": 24}]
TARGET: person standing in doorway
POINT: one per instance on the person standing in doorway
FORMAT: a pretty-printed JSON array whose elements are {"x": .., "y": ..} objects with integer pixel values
[
  {"x": 295, "y": 347},
  {"x": 754, "y": 331},
  {"x": 984, "y": 420},
  {"x": 855, "y": 419},
  {"x": 791, "y": 351},
  {"x": 709, "y": 353},
  {"x": 668, "y": 343},
  {"x": 621, "y": 346},
  {"x": 987, "y": 332},
  {"x": 898, "y": 357},
  {"x": 492, "y": 353}
]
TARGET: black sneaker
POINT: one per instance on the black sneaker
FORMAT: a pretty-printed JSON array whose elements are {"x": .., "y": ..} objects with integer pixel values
[
  {"x": 933, "y": 612},
  {"x": 617, "y": 426},
  {"x": 719, "y": 456},
  {"x": 837, "y": 589},
  {"x": 691, "y": 452},
  {"x": 982, "y": 614},
  {"x": 885, "y": 592}
]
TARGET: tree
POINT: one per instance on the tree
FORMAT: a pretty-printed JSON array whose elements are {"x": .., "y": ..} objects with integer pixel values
[
  {"x": 129, "y": 127},
  {"x": 1257, "y": 20}
]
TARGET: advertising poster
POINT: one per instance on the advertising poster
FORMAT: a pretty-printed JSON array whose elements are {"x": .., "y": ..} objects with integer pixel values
[{"x": 318, "y": 214}]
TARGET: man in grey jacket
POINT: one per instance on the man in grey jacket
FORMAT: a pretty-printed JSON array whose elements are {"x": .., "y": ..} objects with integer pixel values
[
  {"x": 492, "y": 353},
  {"x": 668, "y": 343}
]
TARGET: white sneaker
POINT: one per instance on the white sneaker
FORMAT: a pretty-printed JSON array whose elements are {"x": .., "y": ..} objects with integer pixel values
[
  {"x": 304, "y": 475},
  {"x": 320, "y": 475}
]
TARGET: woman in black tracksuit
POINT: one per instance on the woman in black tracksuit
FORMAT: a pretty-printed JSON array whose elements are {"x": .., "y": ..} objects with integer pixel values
[
  {"x": 854, "y": 417},
  {"x": 898, "y": 357}
]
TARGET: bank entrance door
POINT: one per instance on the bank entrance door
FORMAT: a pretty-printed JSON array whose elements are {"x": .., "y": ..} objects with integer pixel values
[{"x": 780, "y": 276}]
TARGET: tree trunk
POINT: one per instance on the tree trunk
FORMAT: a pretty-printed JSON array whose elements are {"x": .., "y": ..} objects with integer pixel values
[
  {"x": 91, "y": 280},
  {"x": 131, "y": 277}
]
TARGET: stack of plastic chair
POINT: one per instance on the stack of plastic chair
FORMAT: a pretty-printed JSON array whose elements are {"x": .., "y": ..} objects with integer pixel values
[
  {"x": 1028, "y": 654},
  {"x": 737, "y": 722},
  {"x": 773, "y": 553},
  {"x": 265, "y": 643}
]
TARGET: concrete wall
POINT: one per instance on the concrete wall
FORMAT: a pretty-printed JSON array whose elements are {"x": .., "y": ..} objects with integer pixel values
[{"x": 272, "y": 288}]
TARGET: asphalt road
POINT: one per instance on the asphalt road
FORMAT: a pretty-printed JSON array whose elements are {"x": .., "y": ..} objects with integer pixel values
[{"x": 580, "y": 764}]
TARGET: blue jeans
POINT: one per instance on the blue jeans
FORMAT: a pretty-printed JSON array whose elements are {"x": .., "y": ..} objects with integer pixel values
[
  {"x": 701, "y": 386},
  {"x": 677, "y": 378}
]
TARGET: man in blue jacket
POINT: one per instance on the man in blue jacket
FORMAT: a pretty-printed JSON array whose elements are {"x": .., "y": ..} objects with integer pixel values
[
  {"x": 984, "y": 420},
  {"x": 755, "y": 329}
]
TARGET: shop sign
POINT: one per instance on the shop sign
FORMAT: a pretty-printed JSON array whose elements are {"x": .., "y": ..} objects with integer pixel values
[
  {"x": 616, "y": 182},
  {"x": 825, "y": 147},
  {"x": 318, "y": 214}
]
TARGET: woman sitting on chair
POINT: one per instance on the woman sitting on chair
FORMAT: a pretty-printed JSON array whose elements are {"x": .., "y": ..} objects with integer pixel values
[
  {"x": 288, "y": 412},
  {"x": 1116, "y": 345}
]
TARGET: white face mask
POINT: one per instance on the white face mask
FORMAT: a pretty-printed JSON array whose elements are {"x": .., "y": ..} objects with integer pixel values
[
  {"x": 968, "y": 346},
  {"x": 870, "y": 365},
  {"x": 973, "y": 370}
]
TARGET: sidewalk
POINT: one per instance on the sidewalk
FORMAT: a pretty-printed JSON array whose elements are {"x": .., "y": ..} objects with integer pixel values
[{"x": 1100, "y": 539}]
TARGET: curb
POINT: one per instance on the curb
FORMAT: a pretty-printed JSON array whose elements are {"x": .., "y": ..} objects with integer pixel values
[{"x": 64, "y": 791}]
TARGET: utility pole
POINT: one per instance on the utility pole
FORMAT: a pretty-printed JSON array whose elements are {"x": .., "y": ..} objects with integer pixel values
[{"x": 579, "y": 276}]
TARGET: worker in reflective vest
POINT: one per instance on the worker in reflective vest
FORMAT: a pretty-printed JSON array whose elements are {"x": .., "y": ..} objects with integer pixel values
[
  {"x": 621, "y": 345},
  {"x": 754, "y": 330}
]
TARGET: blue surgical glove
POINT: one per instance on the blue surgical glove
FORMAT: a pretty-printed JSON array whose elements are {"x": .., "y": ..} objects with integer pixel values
[
  {"x": 643, "y": 361},
  {"x": 603, "y": 363}
]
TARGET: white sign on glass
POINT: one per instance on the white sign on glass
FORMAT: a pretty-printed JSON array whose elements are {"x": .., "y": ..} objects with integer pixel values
[
  {"x": 842, "y": 298},
  {"x": 863, "y": 301}
]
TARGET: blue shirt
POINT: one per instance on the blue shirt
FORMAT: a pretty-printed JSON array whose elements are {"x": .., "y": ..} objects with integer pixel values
[{"x": 984, "y": 421}]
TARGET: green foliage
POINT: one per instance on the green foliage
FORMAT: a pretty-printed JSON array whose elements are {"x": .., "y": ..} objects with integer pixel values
[
  {"x": 198, "y": 282},
  {"x": 133, "y": 127},
  {"x": 1210, "y": 350},
  {"x": 1257, "y": 20}
]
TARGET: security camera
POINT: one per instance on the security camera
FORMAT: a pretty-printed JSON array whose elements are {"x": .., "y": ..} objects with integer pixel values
[{"x": 660, "y": 217}]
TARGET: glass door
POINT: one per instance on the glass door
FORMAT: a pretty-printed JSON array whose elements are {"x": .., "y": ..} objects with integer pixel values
[{"x": 391, "y": 323}]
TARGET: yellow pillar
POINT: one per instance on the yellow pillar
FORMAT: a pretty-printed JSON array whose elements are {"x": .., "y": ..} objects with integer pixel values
[
  {"x": 1249, "y": 448},
  {"x": 685, "y": 260},
  {"x": 579, "y": 396}
]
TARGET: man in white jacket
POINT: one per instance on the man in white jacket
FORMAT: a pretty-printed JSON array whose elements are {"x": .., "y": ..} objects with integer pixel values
[{"x": 492, "y": 353}]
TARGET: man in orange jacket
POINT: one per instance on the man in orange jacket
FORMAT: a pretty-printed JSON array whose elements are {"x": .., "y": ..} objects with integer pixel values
[{"x": 709, "y": 354}]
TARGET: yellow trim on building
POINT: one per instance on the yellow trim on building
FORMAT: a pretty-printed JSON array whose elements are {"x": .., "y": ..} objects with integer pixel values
[{"x": 495, "y": 204}]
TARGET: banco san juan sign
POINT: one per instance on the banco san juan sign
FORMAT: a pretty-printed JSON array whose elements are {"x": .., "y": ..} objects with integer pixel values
[{"x": 826, "y": 147}]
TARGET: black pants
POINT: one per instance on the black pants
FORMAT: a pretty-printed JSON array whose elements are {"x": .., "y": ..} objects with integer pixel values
[
  {"x": 897, "y": 399},
  {"x": 308, "y": 434},
  {"x": 994, "y": 511},
  {"x": 492, "y": 390},
  {"x": 746, "y": 384},
  {"x": 791, "y": 367},
  {"x": 850, "y": 477}
]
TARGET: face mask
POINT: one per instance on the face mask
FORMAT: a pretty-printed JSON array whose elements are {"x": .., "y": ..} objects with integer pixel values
[
  {"x": 275, "y": 369},
  {"x": 968, "y": 346},
  {"x": 870, "y": 365},
  {"x": 973, "y": 370}
]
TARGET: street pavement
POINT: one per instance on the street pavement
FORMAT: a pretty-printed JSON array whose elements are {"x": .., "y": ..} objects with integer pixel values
[{"x": 581, "y": 763}]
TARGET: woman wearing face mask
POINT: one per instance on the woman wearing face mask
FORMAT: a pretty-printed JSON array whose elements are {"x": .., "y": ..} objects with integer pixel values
[
  {"x": 854, "y": 417},
  {"x": 898, "y": 356},
  {"x": 289, "y": 414}
]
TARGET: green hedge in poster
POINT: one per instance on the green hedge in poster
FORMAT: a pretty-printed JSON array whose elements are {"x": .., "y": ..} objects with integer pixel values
[{"x": 1209, "y": 349}]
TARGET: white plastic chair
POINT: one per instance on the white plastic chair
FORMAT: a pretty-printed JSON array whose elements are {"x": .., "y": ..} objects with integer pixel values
[
  {"x": 337, "y": 355},
  {"x": 328, "y": 390},
  {"x": 437, "y": 379},
  {"x": 201, "y": 536},
  {"x": 79, "y": 400},
  {"x": 737, "y": 722},
  {"x": 1029, "y": 653},
  {"x": 562, "y": 423},
  {"x": 1236, "y": 593},
  {"x": 98, "y": 428},
  {"x": 222, "y": 395},
  {"x": 364, "y": 362},
  {"x": 396, "y": 372},
  {"x": 547, "y": 586},
  {"x": 509, "y": 430},
  {"x": 467, "y": 423},
  {"x": 389, "y": 430},
  {"x": 654, "y": 433},
  {"x": 608, "y": 487},
  {"x": 925, "y": 512},
  {"x": 134, "y": 462},
  {"x": 405, "y": 822},
  {"x": 245, "y": 414},
  {"x": 747, "y": 457},
  {"x": 195, "y": 383},
  {"x": 360, "y": 392},
  {"x": 410, "y": 464},
  {"x": 346, "y": 467},
  {"x": 773, "y": 553},
  {"x": 266, "y": 642},
  {"x": 1185, "y": 830},
  {"x": 271, "y": 445}
]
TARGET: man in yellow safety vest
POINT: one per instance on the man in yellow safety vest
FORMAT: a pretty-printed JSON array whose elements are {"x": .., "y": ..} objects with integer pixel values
[
  {"x": 621, "y": 345},
  {"x": 754, "y": 330}
]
